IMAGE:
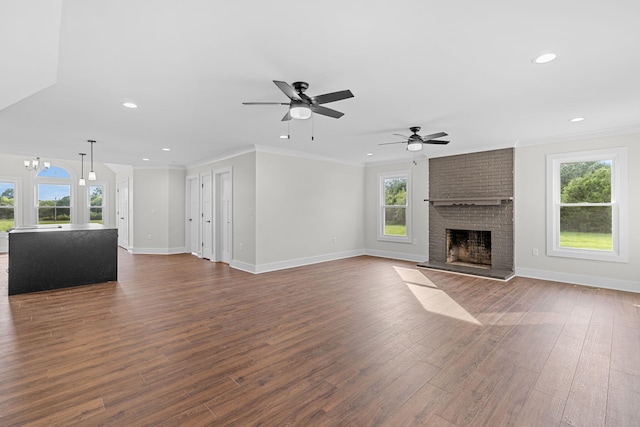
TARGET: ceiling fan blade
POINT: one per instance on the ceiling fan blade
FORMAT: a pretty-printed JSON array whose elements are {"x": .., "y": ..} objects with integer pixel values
[
  {"x": 332, "y": 97},
  {"x": 401, "y": 136},
  {"x": 388, "y": 143},
  {"x": 433, "y": 136},
  {"x": 433, "y": 141},
  {"x": 286, "y": 117},
  {"x": 288, "y": 90},
  {"x": 265, "y": 103},
  {"x": 326, "y": 111}
]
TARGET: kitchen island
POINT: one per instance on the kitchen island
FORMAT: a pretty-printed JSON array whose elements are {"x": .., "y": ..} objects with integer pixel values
[{"x": 46, "y": 257}]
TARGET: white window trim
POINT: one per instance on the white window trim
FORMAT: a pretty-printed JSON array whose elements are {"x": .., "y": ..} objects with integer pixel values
[
  {"x": 105, "y": 201},
  {"x": 619, "y": 202},
  {"x": 17, "y": 200},
  {"x": 72, "y": 182},
  {"x": 381, "y": 197}
]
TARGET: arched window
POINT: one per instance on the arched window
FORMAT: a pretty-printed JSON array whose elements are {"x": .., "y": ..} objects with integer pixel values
[{"x": 55, "y": 190}]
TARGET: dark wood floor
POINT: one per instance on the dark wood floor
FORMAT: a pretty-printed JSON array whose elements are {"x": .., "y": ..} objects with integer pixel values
[{"x": 363, "y": 341}]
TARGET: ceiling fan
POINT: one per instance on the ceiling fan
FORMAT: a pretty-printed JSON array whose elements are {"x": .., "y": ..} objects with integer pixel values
[
  {"x": 301, "y": 105},
  {"x": 415, "y": 141}
]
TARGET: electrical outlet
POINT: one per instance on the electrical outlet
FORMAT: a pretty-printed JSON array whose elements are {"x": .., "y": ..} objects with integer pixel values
[
  {"x": 149, "y": 237},
  {"x": 335, "y": 240},
  {"x": 535, "y": 252}
]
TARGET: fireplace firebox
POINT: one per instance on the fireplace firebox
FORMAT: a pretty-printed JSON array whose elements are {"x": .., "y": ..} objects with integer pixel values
[{"x": 470, "y": 248}]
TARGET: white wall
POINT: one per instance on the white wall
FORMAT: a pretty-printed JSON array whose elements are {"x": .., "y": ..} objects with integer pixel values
[
  {"x": 530, "y": 218},
  {"x": 243, "y": 168},
  {"x": 307, "y": 210},
  {"x": 158, "y": 211},
  {"x": 418, "y": 249}
]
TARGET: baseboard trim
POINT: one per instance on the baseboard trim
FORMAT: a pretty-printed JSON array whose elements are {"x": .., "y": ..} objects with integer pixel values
[
  {"x": 158, "y": 251},
  {"x": 300, "y": 262},
  {"x": 579, "y": 279}
]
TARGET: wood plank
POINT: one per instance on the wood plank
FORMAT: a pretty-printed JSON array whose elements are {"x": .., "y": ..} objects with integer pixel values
[{"x": 183, "y": 341}]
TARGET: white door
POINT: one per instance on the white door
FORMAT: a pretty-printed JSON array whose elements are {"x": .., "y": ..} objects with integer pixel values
[
  {"x": 205, "y": 215},
  {"x": 224, "y": 225},
  {"x": 122, "y": 195},
  {"x": 192, "y": 210}
]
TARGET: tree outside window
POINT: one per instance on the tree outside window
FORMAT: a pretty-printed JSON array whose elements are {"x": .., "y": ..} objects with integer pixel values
[
  {"x": 587, "y": 205},
  {"x": 95, "y": 204},
  {"x": 395, "y": 209},
  {"x": 586, "y": 209},
  {"x": 394, "y": 214},
  {"x": 54, "y": 204},
  {"x": 7, "y": 206}
]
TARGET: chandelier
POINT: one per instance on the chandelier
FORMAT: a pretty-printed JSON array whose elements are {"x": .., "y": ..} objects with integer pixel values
[{"x": 36, "y": 165}]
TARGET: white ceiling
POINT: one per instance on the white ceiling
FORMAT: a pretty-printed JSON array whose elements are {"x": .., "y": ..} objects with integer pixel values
[{"x": 459, "y": 66}]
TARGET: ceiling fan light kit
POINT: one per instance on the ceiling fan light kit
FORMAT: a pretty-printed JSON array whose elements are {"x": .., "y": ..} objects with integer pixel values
[
  {"x": 299, "y": 110},
  {"x": 414, "y": 146}
]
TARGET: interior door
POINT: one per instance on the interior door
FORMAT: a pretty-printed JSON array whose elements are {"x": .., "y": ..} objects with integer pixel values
[
  {"x": 206, "y": 215},
  {"x": 224, "y": 196},
  {"x": 122, "y": 212},
  {"x": 192, "y": 217}
]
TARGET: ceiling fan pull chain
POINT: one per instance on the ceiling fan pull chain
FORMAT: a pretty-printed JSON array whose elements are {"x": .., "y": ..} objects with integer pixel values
[{"x": 312, "y": 127}]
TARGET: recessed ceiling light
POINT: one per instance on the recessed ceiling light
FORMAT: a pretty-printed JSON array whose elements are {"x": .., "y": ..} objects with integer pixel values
[
  {"x": 577, "y": 119},
  {"x": 544, "y": 58},
  {"x": 369, "y": 154},
  {"x": 166, "y": 149},
  {"x": 145, "y": 159},
  {"x": 284, "y": 136},
  {"x": 130, "y": 105}
]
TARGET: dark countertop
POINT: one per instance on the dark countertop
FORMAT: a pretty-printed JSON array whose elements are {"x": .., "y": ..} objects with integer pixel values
[{"x": 58, "y": 227}]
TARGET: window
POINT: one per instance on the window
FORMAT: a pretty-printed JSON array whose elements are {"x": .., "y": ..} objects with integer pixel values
[
  {"x": 54, "y": 203},
  {"x": 9, "y": 215},
  {"x": 54, "y": 194},
  {"x": 394, "y": 215},
  {"x": 586, "y": 205},
  {"x": 95, "y": 203}
]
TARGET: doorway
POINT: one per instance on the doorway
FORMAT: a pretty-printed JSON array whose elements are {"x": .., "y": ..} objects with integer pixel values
[
  {"x": 192, "y": 209},
  {"x": 205, "y": 215},
  {"x": 122, "y": 203},
  {"x": 224, "y": 215}
]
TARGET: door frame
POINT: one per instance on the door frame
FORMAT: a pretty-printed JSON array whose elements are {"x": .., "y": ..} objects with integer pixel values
[
  {"x": 217, "y": 242},
  {"x": 194, "y": 221},
  {"x": 124, "y": 216},
  {"x": 209, "y": 214}
]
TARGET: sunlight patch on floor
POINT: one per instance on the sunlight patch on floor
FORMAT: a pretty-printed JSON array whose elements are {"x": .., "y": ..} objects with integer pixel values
[
  {"x": 411, "y": 275},
  {"x": 431, "y": 298},
  {"x": 438, "y": 302}
]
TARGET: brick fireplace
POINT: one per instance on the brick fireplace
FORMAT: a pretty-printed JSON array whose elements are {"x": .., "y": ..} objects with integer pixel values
[{"x": 471, "y": 213}]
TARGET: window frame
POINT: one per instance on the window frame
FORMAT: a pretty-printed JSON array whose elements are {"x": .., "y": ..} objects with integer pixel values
[
  {"x": 406, "y": 174},
  {"x": 105, "y": 201},
  {"x": 17, "y": 200},
  {"x": 619, "y": 201},
  {"x": 71, "y": 182}
]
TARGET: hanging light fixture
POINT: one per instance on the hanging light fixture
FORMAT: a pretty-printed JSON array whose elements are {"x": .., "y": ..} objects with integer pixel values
[
  {"x": 82, "y": 181},
  {"x": 299, "y": 110},
  {"x": 414, "y": 146},
  {"x": 92, "y": 174},
  {"x": 36, "y": 165}
]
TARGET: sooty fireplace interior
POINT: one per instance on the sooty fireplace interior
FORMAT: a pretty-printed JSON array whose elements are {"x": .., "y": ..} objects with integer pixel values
[{"x": 469, "y": 247}]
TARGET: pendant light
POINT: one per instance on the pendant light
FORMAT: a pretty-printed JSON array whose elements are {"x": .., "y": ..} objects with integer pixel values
[
  {"x": 82, "y": 182},
  {"x": 92, "y": 174}
]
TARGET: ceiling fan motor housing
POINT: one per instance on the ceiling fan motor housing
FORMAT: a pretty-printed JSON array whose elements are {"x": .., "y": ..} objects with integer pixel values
[{"x": 300, "y": 87}]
